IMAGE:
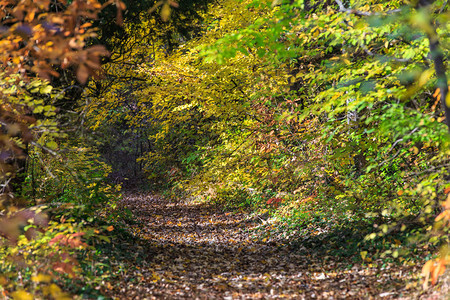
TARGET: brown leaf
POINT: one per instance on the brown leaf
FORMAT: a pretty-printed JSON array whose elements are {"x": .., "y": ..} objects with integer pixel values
[
  {"x": 82, "y": 73},
  {"x": 65, "y": 268},
  {"x": 119, "y": 17}
]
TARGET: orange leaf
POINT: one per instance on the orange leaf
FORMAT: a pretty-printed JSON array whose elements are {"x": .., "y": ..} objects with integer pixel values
[
  {"x": 438, "y": 271},
  {"x": 437, "y": 94},
  {"x": 65, "y": 268},
  {"x": 443, "y": 215},
  {"x": 446, "y": 204},
  {"x": 121, "y": 5},
  {"x": 275, "y": 202},
  {"x": 78, "y": 234},
  {"x": 56, "y": 239},
  {"x": 426, "y": 270}
]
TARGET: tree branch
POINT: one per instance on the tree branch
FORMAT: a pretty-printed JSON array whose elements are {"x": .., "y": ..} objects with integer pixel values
[{"x": 363, "y": 13}]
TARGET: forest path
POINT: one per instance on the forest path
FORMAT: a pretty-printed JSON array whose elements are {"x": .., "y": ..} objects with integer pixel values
[{"x": 191, "y": 251}]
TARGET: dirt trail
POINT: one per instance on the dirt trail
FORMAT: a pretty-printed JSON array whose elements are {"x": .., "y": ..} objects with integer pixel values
[{"x": 186, "y": 251}]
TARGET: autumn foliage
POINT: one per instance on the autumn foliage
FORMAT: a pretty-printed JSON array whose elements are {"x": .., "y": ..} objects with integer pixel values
[
  {"x": 40, "y": 41},
  {"x": 327, "y": 121}
]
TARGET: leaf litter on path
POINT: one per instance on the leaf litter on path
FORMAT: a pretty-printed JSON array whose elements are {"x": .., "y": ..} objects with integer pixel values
[{"x": 197, "y": 251}]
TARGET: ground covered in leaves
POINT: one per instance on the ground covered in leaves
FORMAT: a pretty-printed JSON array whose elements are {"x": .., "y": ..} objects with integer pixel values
[{"x": 195, "y": 251}]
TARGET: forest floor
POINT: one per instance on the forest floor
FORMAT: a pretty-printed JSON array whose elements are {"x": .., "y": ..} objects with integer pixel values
[{"x": 197, "y": 251}]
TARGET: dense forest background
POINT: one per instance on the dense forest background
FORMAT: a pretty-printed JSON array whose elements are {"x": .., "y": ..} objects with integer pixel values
[{"x": 328, "y": 121}]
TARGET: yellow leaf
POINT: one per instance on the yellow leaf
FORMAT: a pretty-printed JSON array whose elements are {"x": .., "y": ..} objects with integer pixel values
[
  {"x": 165, "y": 12},
  {"x": 16, "y": 60},
  {"x": 21, "y": 295},
  {"x": 52, "y": 145},
  {"x": 415, "y": 150},
  {"x": 56, "y": 292},
  {"x": 276, "y": 3},
  {"x": 54, "y": 289},
  {"x": 363, "y": 254},
  {"x": 46, "y": 89},
  {"x": 41, "y": 278},
  {"x": 447, "y": 100},
  {"x": 425, "y": 77}
]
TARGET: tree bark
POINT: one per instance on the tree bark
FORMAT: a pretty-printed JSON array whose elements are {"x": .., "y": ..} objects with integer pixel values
[{"x": 438, "y": 59}]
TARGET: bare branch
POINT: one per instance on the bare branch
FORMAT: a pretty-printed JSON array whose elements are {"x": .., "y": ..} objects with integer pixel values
[
  {"x": 363, "y": 13},
  {"x": 44, "y": 148},
  {"x": 444, "y": 7},
  {"x": 370, "y": 53}
]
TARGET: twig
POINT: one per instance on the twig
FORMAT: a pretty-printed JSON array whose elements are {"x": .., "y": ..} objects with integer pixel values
[
  {"x": 370, "y": 53},
  {"x": 363, "y": 13},
  {"x": 427, "y": 170},
  {"x": 389, "y": 159},
  {"x": 44, "y": 148},
  {"x": 444, "y": 6},
  {"x": 5, "y": 185},
  {"x": 400, "y": 140},
  {"x": 398, "y": 152}
]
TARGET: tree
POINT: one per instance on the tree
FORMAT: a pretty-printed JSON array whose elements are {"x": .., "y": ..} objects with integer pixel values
[
  {"x": 119, "y": 117},
  {"x": 383, "y": 61},
  {"x": 37, "y": 37}
]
